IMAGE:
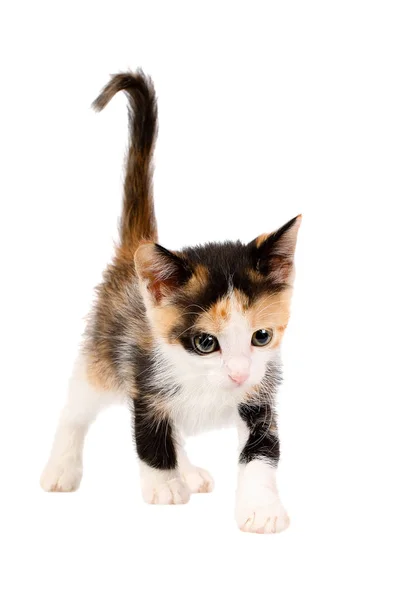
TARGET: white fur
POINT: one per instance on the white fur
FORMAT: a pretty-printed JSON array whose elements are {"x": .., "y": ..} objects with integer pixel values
[
  {"x": 175, "y": 486},
  {"x": 198, "y": 480},
  {"x": 63, "y": 471},
  {"x": 258, "y": 507},
  {"x": 198, "y": 406},
  {"x": 163, "y": 487}
]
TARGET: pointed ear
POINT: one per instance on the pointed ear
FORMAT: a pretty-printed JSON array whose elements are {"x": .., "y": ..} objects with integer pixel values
[
  {"x": 160, "y": 270},
  {"x": 273, "y": 253}
]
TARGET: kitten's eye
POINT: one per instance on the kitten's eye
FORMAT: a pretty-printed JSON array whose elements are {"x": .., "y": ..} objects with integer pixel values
[
  {"x": 205, "y": 343},
  {"x": 262, "y": 337}
]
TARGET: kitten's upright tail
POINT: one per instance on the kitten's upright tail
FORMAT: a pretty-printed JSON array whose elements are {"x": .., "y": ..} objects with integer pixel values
[{"x": 138, "y": 220}]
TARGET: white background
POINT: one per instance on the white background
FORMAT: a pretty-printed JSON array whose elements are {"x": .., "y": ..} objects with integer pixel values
[{"x": 266, "y": 110}]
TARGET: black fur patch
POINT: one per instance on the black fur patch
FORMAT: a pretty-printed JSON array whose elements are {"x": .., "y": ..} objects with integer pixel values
[
  {"x": 260, "y": 418},
  {"x": 229, "y": 265},
  {"x": 261, "y": 442},
  {"x": 154, "y": 436}
]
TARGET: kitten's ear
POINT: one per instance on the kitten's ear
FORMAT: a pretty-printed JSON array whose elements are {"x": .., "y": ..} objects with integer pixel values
[
  {"x": 273, "y": 253},
  {"x": 160, "y": 270}
]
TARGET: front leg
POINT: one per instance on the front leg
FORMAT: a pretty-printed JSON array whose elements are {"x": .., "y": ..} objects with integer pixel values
[
  {"x": 158, "y": 453},
  {"x": 198, "y": 480},
  {"x": 258, "y": 507}
]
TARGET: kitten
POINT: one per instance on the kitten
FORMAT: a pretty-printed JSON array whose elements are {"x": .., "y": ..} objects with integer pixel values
[{"x": 190, "y": 338}]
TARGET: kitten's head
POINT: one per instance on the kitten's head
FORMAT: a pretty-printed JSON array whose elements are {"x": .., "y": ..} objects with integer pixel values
[{"x": 219, "y": 311}]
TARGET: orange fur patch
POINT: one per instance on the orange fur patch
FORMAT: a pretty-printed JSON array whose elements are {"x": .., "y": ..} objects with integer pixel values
[
  {"x": 271, "y": 312},
  {"x": 164, "y": 318},
  {"x": 214, "y": 320},
  {"x": 100, "y": 373},
  {"x": 198, "y": 281},
  {"x": 261, "y": 239}
]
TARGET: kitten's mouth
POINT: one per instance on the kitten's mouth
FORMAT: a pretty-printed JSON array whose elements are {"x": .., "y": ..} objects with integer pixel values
[{"x": 234, "y": 385}]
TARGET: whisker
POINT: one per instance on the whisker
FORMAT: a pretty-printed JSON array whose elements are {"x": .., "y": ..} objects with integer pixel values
[{"x": 196, "y": 306}]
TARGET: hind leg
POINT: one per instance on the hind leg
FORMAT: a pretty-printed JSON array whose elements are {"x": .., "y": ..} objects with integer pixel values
[{"x": 63, "y": 472}]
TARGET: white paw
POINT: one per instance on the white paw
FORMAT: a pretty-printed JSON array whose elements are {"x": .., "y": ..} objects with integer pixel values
[
  {"x": 61, "y": 476},
  {"x": 270, "y": 517},
  {"x": 198, "y": 480},
  {"x": 173, "y": 491}
]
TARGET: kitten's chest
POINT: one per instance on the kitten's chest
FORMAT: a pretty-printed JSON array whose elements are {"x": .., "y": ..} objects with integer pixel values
[{"x": 198, "y": 407}]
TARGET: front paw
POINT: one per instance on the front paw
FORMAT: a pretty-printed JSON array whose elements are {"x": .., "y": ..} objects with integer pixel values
[
  {"x": 198, "y": 480},
  {"x": 161, "y": 490},
  {"x": 268, "y": 517},
  {"x": 61, "y": 476}
]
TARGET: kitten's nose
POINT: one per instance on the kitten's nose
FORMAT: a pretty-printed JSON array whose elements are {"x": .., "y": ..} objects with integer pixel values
[
  {"x": 239, "y": 378},
  {"x": 238, "y": 369}
]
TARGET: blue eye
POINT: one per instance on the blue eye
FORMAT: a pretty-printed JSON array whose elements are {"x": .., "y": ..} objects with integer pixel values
[
  {"x": 205, "y": 343},
  {"x": 262, "y": 337}
]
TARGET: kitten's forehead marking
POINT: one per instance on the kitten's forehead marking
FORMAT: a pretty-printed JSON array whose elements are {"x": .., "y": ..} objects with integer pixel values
[
  {"x": 220, "y": 313},
  {"x": 269, "y": 310}
]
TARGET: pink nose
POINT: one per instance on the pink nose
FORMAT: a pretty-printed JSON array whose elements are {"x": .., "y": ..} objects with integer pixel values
[{"x": 239, "y": 378}]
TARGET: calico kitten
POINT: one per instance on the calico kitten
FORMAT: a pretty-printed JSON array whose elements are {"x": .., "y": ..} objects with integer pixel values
[{"x": 190, "y": 338}]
